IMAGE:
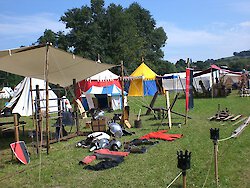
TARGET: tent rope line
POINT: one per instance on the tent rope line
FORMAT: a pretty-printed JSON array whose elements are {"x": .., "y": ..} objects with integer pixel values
[{"x": 208, "y": 172}]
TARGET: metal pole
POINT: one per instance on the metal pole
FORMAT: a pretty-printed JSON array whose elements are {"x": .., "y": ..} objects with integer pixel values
[{"x": 47, "y": 97}]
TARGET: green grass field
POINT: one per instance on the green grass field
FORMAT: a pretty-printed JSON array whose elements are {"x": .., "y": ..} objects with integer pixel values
[{"x": 155, "y": 168}]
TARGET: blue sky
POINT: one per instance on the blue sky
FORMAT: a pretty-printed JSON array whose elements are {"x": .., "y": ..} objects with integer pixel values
[{"x": 199, "y": 30}]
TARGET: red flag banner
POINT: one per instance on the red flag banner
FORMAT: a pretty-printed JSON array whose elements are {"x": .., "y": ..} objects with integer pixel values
[{"x": 189, "y": 89}]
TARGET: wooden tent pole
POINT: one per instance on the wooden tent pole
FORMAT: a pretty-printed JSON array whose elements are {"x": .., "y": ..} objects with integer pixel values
[
  {"x": 169, "y": 110},
  {"x": 32, "y": 104},
  {"x": 38, "y": 118},
  {"x": 75, "y": 107},
  {"x": 122, "y": 83},
  {"x": 16, "y": 128},
  {"x": 59, "y": 113},
  {"x": 216, "y": 162},
  {"x": 47, "y": 97}
]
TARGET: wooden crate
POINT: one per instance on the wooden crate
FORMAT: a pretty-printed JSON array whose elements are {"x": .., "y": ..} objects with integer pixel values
[
  {"x": 88, "y": 124},
  {"x": 98, "y": 125}
]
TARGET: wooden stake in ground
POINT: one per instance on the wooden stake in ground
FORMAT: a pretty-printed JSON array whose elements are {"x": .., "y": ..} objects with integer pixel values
[
  {"x": 216, "y": 162},
  {"x": 169, "y": 110},
  {"x": 184, "y": 164},
  {"x": 138, "y": 117}
]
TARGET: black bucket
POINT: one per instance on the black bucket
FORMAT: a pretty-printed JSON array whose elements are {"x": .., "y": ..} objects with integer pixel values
[{"x": 138, "y": 124}]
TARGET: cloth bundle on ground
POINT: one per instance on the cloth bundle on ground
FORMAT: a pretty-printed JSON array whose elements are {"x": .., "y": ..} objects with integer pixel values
[
  {"x": 138, "y": 145},
  {"x": 110, "y": 159},
  {"x": 161, "y": 135}
]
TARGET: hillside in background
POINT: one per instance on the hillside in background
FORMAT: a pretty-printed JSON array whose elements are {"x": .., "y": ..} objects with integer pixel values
[{"x": 237, "y": 62}]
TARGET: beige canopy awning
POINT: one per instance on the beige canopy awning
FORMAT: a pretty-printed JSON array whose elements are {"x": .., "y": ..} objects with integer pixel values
[{"x": 63, "y": 66}]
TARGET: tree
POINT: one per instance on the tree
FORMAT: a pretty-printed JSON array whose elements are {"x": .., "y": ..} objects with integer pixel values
[
  {"x": 115, "y": 33},
  {"x": 57, "y": 39},
  {"x": 181, "y": 65}
]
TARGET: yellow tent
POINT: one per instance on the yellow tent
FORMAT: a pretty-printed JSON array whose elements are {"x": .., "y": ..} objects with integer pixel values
[{"x": 143, "y": 83}]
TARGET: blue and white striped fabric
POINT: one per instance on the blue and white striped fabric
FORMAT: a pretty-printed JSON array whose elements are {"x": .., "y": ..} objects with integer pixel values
[{"x": 109, "y": 90}]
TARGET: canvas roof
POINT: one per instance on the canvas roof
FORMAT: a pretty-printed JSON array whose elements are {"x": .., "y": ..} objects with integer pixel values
[
  {"x": 104, "y": 76},
  {"x": 214, "y": 68},
  {"x": 63, "y": 66},
  {"x": 145, "y": 71}
]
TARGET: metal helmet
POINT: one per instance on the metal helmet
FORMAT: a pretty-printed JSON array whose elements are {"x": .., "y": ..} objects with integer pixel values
[{"x": 116, "y": 130}]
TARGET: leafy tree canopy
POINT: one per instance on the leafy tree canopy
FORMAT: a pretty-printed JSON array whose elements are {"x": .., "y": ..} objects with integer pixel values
[{"x": 113, "y": 32}]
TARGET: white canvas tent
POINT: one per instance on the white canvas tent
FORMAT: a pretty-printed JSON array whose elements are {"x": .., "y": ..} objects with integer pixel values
[
  {"x": 177, "y": 81},
  {"x": 106, "y": 75},
  {"x": 21, "y": 102},
  {"x": 6, "y": 93}
]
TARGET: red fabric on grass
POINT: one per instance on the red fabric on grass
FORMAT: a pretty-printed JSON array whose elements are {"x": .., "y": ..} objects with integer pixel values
[
  {"x": 107, "y": 151},
  {"x": 162, "y": 135}
]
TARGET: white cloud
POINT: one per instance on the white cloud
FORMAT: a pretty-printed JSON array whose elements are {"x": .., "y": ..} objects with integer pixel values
[
  {"x": 245, "y": 24},
  {"x": 26, "y": 28},
  {"x": 214, "y": 41},
  {"x": 28, "y": 24}
]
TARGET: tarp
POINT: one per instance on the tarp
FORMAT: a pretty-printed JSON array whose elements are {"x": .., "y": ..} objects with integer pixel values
[
  {"x": 21, "y": 102},
  {"x": 145, "y": 85},
  {"x": 63, "y": 67},
  {"x": 102, "y": 79}
]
